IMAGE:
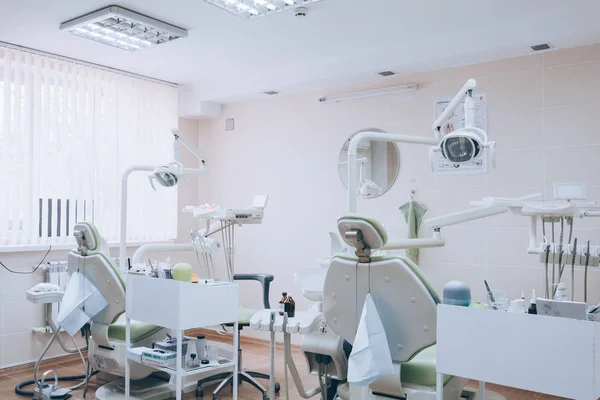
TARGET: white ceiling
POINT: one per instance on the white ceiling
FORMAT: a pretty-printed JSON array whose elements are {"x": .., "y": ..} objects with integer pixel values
[{"x": 227, "y": 58}]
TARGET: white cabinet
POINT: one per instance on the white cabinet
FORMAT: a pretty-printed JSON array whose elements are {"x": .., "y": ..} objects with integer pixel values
[
  {"x": 179, "y": 306},
  {"x": 550, "y": 355}
]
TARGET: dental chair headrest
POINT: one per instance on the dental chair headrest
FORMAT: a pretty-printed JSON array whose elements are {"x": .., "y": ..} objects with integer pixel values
[
  {"x": 373, "y": 233},
  {"x": 87, "y": 237}
]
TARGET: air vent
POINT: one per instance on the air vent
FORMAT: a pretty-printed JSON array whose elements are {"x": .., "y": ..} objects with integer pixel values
[
  {"x": 271, "y": 93},
  {"x": 386, "y": 73},
  {"x": 540, "y": 47}
]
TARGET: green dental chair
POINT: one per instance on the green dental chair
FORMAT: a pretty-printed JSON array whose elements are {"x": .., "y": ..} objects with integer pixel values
[
  {"x": 406, "y": 303},
  {"x": 107, "y": 347}
]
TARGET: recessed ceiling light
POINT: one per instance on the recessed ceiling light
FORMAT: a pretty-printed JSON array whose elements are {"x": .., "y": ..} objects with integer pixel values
[
  {"x": 251, "y": 9},
  {"x": 386, "y": 73},
  {"x": 540, "y": 47},
  {"x": 123, "y": 28},
  {"x": 271, "y": 92}
]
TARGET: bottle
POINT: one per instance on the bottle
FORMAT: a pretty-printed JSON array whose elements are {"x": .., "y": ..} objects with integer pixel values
[
  {"x": 201, "y": 348},
  {"x": 290, "y": 306},
  {"x": 282, "y": 303},
  {"x": 561, "y": 292},
  {"x": 532, "y": 304}
]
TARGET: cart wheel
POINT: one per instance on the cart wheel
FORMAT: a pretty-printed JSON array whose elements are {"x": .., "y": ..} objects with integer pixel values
[
  {"x": 199, "y": 392},
  {"x": 277, "y": 387}
]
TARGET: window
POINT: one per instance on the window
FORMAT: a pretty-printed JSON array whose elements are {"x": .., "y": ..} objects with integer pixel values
[{"x": 67, "y": 133}]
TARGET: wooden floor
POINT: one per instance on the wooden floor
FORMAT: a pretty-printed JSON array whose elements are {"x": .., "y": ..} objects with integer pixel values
[{"x": 256, "y": 358}]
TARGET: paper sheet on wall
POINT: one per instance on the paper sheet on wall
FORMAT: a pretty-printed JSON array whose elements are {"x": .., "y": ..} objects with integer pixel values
[{"x": 457, "y": 121}]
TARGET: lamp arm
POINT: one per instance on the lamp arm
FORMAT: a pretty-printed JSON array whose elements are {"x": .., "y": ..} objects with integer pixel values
[
  {"x": 179, "y": 138},
  {"x": 377, "y": 136},
  {"x": 454, "y": 104}
]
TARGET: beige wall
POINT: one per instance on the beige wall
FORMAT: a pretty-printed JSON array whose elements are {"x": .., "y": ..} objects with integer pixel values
[
  {"x": 17, "y": 315},
  {"x": 542, "y": 111}
]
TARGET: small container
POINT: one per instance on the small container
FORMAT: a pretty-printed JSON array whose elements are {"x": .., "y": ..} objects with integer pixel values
[
  {"x": 282, "y": 303},
  {"x": 500, "y": 302},
  {"x": 457, "y": 293},
  {"x": 532, "y": 305},
  {"x": 561, "y": 292},
  {"x": 201, "y": 347},
  {"x": 290, "y": 306}
]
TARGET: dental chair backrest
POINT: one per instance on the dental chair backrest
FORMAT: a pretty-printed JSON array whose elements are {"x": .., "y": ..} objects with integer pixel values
[
  {"x": 92, "y": 259},
  {"x": 405, "y": 301}
]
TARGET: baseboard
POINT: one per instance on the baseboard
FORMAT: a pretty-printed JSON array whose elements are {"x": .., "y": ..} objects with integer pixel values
[{"x": 30, "y": 364}]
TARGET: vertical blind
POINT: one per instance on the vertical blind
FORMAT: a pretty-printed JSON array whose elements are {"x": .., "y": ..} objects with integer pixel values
[{"x": 67, "y": 133}]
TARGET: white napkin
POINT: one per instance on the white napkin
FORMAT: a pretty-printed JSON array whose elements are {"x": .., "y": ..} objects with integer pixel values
[
  {"x": 82, "y": 301},
  {"x": 370, "y": 358}
]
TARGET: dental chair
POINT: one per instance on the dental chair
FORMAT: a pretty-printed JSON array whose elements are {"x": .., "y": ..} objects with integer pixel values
[
  {"x": 406, "y": 303},
  {"x": 107, "y": 349}
]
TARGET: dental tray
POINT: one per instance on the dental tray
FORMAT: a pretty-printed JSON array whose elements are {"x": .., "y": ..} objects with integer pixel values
[{"x": 250, "y": 215}]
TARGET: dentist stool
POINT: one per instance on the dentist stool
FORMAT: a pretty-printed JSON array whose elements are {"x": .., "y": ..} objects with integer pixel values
[{"x": 405, "y": 301}]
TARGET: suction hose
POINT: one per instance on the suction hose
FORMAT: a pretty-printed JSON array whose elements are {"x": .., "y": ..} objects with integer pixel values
[{"x": 21, "y": 392}]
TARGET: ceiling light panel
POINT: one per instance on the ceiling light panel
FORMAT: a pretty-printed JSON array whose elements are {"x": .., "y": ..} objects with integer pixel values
[
  {"x": 251, "y": 9},
  {"x": 123, "y": 28}
]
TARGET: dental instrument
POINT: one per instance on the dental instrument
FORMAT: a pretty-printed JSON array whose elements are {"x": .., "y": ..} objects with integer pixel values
[
  {"x": 573, "y": 269},
  {"x": 585, "y": 276},
  {"x": 553, "y": 256},
  {"x": 547, "y": 289},
  {"x": 286, "y": 355},
  {"x": 491, "y": 295},
  {"x": 560, "y": 255},
  {"x": 272, "y": 356}
]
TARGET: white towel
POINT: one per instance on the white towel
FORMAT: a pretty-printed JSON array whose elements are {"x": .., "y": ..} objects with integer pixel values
[{"x": 370, "y": 358}]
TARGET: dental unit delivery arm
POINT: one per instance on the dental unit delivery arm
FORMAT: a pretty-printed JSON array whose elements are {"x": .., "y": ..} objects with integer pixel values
[{"x": 378, "y": 136}]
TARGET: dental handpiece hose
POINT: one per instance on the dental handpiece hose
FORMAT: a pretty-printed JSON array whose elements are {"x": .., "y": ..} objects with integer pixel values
[
  {"x": 272, "y": 351},
  {"x": 573, "y": 270},
  {"x": 585, "y": 280},
  {"x": 286, "y": 340}
]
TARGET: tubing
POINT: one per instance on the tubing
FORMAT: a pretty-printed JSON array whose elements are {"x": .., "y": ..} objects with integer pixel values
[
  {"x": 19, "y": 388},
  {"x": 294, "y": 371}
]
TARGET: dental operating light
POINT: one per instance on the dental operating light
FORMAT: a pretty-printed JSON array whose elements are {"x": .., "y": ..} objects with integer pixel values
[
  {"x": 122, "y": 28},
  {"x": 467, "y": 148},
  {"x": 251, "y": 9}
]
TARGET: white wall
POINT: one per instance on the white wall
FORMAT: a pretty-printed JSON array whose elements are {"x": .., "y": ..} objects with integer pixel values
[
  {"x": 17, "y": 315},
  {"x": 542, "y": 111}
]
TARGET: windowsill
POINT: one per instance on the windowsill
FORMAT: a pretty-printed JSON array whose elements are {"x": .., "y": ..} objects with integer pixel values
[{"x": 68, "y": 246}]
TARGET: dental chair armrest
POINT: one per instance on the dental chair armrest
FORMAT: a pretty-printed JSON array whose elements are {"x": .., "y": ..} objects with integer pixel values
[{"x": 265, "y": 281}]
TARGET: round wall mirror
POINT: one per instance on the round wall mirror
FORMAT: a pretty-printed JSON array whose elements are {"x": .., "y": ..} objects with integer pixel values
[{"x": 377, "y": 169}]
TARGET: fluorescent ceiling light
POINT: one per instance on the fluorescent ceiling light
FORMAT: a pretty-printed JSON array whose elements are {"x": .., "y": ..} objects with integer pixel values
[
  {"x": 123, "y": 28},
  {"x": 251, "y": 9},
  {"x": 411, "y": 87}
]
